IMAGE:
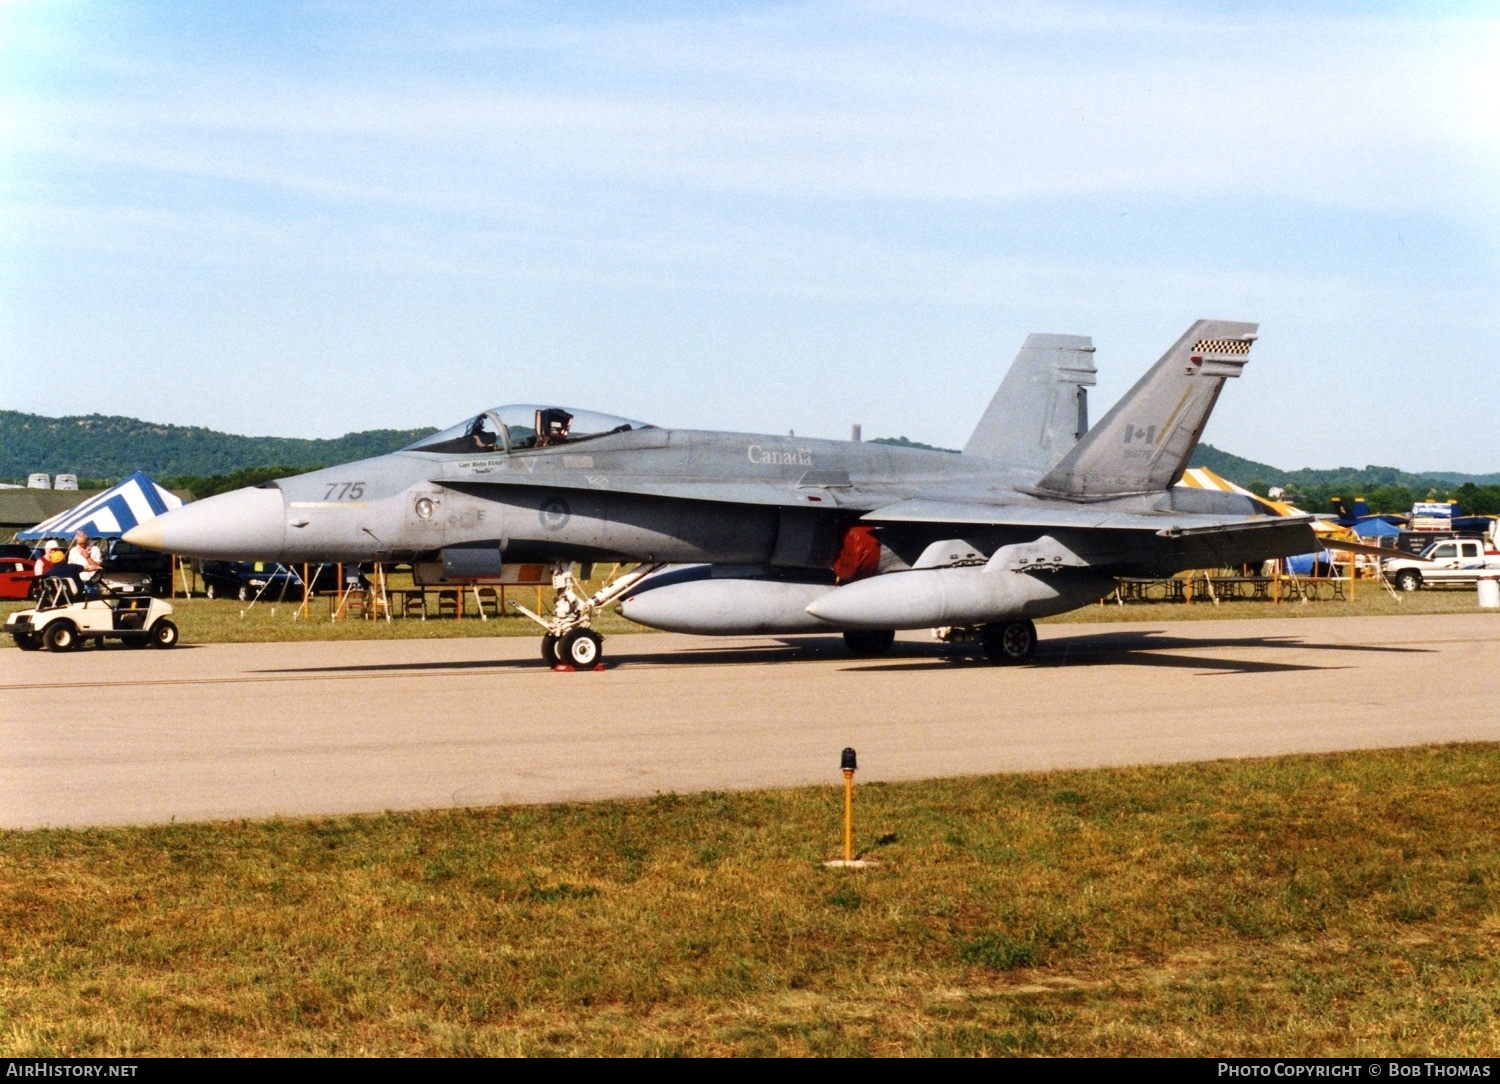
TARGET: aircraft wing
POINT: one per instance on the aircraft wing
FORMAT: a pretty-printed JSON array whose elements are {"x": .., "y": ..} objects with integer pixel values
[{"x": 1166, "y": 524}]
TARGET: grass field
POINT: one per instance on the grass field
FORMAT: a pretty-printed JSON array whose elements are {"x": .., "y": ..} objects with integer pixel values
[
  {"x": 1323, "y": 905},
  {"x": 230, "y": 621}
]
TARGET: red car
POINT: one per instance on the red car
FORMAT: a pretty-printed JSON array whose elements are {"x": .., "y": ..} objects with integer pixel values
[{"x": 16, "y": 576}]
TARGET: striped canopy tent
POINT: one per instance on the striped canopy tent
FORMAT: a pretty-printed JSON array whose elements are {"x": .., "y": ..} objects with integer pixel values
[
  {"x": 109, "y": 514},
  {"x": 1203, "y": 478},
  {"x": 1303, "y": 564}
]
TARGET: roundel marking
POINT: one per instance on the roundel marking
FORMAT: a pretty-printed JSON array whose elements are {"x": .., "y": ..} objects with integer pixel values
[{"x": 555, "y": 513}]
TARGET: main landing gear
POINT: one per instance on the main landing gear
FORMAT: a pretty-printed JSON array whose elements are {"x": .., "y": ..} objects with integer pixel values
[
  {"x": 567, "y": 639},
  {"x": 1009, "y": 641},
  {"x": 1012, "y": 641},
  {"x": 869, "y": 643}
]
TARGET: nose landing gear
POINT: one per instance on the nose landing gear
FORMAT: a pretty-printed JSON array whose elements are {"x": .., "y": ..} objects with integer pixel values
[{"x": 567, "y": 639}]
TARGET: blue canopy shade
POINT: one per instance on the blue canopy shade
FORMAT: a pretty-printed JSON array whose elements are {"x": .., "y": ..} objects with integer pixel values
[
  {"x": 109, "y": 514},
  {"x": 1308, "y": 564},
  {"x": 1376, "y": 528}
]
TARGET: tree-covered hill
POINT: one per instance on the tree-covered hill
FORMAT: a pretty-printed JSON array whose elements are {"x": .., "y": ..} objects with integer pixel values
[
  {"x": 902, "y": 442},
  {"x": 1385, "y": 489},
  {"x": 104, "y": 448},
  {"x": 1244, "y": 471}
]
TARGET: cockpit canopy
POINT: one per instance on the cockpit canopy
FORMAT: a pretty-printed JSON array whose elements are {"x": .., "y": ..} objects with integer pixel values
[{"x": 520, "y": 427}]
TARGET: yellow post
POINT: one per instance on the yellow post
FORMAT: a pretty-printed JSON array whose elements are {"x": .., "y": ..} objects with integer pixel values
[
  {"x": 848, "y": 764},
  {"x": 848, "y": 815},
  {"x": 306, "y": 592}
]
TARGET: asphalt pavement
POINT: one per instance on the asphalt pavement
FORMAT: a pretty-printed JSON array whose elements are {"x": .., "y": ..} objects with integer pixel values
[{"x": 208, "y": 732}]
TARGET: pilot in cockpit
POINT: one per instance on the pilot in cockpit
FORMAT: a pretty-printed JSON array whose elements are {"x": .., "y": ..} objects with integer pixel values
[
  {"x": 552, "y": 426},
  {"x": 480, "y": 435}
]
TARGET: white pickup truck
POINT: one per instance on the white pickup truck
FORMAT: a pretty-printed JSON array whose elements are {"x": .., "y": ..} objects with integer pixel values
[{"x": 1447, "y": 561}]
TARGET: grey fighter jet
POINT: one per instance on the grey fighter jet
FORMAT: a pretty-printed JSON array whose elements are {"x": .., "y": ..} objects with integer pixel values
[{"x": 737, "y": 533}]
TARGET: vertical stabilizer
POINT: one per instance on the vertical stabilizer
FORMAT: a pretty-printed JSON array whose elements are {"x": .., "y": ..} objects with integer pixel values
[
  {"x": 1144, "y": 443},
  {"x": 1041, "y": 409}
]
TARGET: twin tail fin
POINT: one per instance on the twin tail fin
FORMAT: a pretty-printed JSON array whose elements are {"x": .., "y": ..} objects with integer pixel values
[
  {"x": 1042, "y": 406},
  {"x": 1145, "y": 442}
]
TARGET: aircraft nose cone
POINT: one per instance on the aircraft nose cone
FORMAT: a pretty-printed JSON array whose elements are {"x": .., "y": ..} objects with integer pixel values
[{"x": 243, "y": 525}]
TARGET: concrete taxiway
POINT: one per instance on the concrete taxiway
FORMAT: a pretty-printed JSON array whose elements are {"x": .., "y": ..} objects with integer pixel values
[{"x": 209, "y": 732}]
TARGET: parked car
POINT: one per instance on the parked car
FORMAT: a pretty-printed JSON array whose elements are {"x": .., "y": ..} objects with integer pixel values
[
  {"x": 1461, "y": 561},
  {"x": 246, "y": 580},
  {"x": 66, "y": 616},
  {"x": 16, "y": 576},
  {"x": 127, "y": 570},
  {"x": 120, "y": 556}
]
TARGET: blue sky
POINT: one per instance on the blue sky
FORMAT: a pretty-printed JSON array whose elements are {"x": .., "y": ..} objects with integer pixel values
[{"x": 305, "y": 219}]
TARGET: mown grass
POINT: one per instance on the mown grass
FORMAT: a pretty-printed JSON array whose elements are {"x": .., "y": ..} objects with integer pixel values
[{"x": 1299, "y": 906}]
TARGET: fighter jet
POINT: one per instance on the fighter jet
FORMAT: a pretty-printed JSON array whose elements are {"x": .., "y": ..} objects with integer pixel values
[{"x": 735, "y": 533}]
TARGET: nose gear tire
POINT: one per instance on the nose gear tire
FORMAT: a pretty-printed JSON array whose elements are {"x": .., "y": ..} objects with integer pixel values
[{"x": 581, "y": 649}]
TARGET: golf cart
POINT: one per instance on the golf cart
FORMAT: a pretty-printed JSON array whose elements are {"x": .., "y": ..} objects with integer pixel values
[{"x": 68, "y": 612}]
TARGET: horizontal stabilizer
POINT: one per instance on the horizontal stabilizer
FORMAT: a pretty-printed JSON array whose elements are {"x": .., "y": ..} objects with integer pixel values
[{"x": 1145, "y": 442}]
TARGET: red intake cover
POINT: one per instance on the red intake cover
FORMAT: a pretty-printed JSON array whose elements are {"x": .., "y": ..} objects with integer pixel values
[{"x": 858, "y": 556}]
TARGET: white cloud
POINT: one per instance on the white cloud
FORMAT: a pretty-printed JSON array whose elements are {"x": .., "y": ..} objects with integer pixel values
[
  {"x": 1357, "y": 112},
  {"x": 882, "y": 183}
]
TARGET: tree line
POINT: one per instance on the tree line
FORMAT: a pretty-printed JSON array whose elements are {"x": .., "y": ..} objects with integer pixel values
[
  {"x": 1473, "y": 500},
  {"x": 201, "y": 486},
  {"x": 97, "y": 447}
]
